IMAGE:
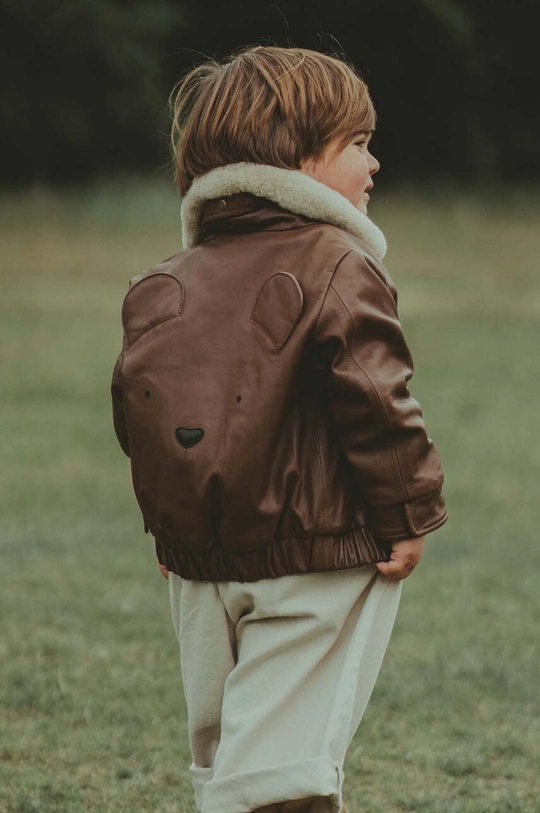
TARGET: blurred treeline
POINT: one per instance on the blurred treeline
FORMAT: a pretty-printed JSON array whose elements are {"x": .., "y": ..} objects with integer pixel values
[{"x": 86, "y": 82}]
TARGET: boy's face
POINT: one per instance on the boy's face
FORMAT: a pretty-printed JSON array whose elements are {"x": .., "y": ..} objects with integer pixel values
[{"x": 348, "y": 171}]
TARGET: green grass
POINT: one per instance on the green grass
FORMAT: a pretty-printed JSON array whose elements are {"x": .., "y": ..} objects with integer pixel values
[{"x": 93, "y": 712}]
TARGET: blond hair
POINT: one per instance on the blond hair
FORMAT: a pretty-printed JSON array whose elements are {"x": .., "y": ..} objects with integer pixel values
[{"x": 266, "y": 105}]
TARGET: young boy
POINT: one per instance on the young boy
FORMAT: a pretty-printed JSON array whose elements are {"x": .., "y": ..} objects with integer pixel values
[{"x": 278, "y": 457}]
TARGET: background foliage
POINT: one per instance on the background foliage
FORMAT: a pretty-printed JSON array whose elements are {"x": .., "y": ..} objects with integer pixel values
[{"x": 86, "y": 81}]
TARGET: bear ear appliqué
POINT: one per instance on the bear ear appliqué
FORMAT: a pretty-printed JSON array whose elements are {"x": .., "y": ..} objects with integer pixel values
[
  {"x": 278, "y": 307},
  {"x": 150, "y": 300}
]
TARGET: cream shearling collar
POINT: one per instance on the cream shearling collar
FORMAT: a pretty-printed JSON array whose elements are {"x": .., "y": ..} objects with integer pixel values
[{"x": 288, "y": 188}]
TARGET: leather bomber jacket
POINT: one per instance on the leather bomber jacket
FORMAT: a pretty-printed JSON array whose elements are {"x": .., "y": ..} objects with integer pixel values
[{"x": 261, "y": 391}]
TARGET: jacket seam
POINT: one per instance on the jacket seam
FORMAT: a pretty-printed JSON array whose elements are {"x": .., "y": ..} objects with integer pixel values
[
  {"x": 339, "y": 531},
  {"x": 421, "y": 531},
  {"x": 319, "y": 454},
  {"x": 283, "y": 342},
  {"x": 160, "y": 321},
  {"x": 379, "y": 401},
  {"x": 152, "y": 326},
  {"x": 264, "y": 330},
  {"x": 338, "y": 263},
  {"x": 238, "y": 233},
  {"x": 410, "y": 501}
]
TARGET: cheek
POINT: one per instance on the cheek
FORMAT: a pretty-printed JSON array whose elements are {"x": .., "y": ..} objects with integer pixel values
[
  {"x": 361, "y": 178},
  {"x": 350, "y": 176},
  {"x": 356, "y": 178},
  {"x": 362, "y": 172}
]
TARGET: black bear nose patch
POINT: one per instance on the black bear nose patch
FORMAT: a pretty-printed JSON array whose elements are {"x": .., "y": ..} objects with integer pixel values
[{"x": 188, "y": 437}]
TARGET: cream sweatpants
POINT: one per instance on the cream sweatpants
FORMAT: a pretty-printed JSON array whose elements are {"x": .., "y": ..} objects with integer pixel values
[{"x": 276, "y": 675}]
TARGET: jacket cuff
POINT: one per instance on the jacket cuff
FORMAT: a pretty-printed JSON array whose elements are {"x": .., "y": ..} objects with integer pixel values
[{"x": 393, "y": 523}]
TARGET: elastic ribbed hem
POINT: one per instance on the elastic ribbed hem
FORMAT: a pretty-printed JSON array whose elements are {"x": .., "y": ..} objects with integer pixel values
[
  {"x": 354, "y": 547},
  {"x": 286, "y": 782}
]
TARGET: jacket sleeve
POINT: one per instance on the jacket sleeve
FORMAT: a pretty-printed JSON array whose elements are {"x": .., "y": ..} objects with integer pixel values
[
  {"x": 372, "y": 415},
  {"x": 119, "y": 420}
]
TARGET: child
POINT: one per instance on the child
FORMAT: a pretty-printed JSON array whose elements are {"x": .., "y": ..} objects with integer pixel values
[{"x": 277, "y": 455}]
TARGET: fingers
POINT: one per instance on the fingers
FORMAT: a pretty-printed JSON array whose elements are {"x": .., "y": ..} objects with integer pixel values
[
  {"x": 396, "y": 570},
  {"x": 406, "y": 554},
  {"x": 163, "y": 570}
]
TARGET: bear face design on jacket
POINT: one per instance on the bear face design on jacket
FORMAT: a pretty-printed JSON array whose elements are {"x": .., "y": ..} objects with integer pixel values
[{"x": 261, "y": 393}]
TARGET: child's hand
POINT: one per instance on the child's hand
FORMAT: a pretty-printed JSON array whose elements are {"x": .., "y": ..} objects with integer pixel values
[
  {"x": 405, "y": 556},
  {"x": 164, "y": 571}
]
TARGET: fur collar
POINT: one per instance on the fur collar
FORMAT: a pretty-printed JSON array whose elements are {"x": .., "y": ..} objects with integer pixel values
[{"x": 288, "y": 188}]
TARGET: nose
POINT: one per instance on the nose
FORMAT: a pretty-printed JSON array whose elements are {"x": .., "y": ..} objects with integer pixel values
[{"x": 374, "y": 165}]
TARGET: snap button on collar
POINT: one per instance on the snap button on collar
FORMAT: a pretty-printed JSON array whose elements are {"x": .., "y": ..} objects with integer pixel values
[{"x": 221, "y": 204}]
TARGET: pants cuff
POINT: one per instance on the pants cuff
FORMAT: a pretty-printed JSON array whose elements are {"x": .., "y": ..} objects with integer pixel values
[
  {"x": 199, "y": 778},
  {"x": 285, "y": 782}
]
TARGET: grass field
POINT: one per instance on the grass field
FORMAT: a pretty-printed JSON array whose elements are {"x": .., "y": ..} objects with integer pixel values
[{"x": 93, "y": 711}]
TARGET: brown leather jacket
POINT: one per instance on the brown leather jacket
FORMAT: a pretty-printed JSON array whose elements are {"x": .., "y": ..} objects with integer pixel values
[{"x": 261, "y": 392}]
